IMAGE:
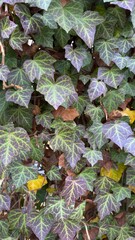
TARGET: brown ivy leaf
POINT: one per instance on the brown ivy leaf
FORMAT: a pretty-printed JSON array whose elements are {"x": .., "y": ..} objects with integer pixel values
[
  {"x": 121, "y": 218},
  {"x": 125, "y": 103},
  {"x": 36, "y": 110},
  {"x": 64, "y": 2},
  {"x": 67, "y": 114}
]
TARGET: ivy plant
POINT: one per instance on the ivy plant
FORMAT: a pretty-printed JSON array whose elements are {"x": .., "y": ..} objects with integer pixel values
[{"x": 67, "y": 113}]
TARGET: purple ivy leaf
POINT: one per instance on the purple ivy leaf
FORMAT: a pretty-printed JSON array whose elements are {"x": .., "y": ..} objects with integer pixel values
[
  {"x": 55, "y": 92},
  {"x": 4, "y": 202},
  {"x": 76, "y": 56},
  {"x": 124, "y": 44},
  {"x": 106, "y": 203},
  {"x": 20, "y": 97},
  {"x": 117, "y": 132},
  {"x": 41, "y": 64},
  {"x": 11, "y": 2},
  {"x": 93, "y": 156},
  {"x": 31, "y": 24},
  {"x": 17, "y": 39},
  {"x": 39, "y": 3},
  {"x": 85, "y": 26},
  {"x": 4, "y": 71},
  {"x": 130, "y": 177},
  {"x": 129, "y": 145},
  {"x": 112, "y": 77},
  {"x": 96, "y": 89},
  {"x": 40, "y": 223},
  {"x": 131, "y": 64},
  {"x": 66, "y": 229},
  {"x": 6, "y": 27},
  {"x": 76, "y": 150},
  {"x": 126, "y": 4},
  {"x": 73, "y": 189},
  {"x": 120, "y": 61},
  {"x": 19, "y": 77}
]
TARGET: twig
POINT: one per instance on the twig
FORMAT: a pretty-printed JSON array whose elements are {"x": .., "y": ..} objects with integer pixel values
[
  {"x": 86, "y": 229},
  {"x": 104, "y": 110}
]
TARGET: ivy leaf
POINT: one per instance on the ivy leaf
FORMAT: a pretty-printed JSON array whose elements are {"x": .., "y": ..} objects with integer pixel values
[
  {"x": 17, "y": 220},
  {"x": 106, "y": 49},
  {"x": 76, "y": 56},
  {"x": 81, "y": 103},
  {"x": 96, "y": 89},
  {"x": 97, "y": 129},
  {"x": 3, "y": 108},
  {"x": 57, "y": 207},
  {"x": 85, "y": 26},
  {"x": 133, "y": 17},
  {"x": 103, "y": 184},
  {"x": 130, "y": 160},
  {"x": 37, "y": 149},
  {"x": 62, "y": 37},
  {"x": 30, "y": 24},
  {"x": 120, "y": 61},
  {"x": 14, "y": 141},
  {"x": 128, "y": 88},
  {"x": 130, "y": 179},
  {"x": 4, "y": 71},
  {"x": 112, "y": 100},
  {"x": 92, "y": 156},
  {"x": 105, "y": 30},
  {"x": 44, "y": 119},
  {"x": 117, "y": 132},
  {"x": 4, "y": 226},
  {"x": 45, "y": 37},
  {"x": 6, "y": 27},
  {"x": 124, "y": 44},
  {"x": 41, "y": 64},
  {"x": 17, "y": 39},
  {"x": 89, "y": 175},
  {"x": 131, "y": 64},
  {"x": 55, "y": 92},
  {"x": 112, "y": 77},
  {"x": 20, "y": 174},
  {"x": 48, "y": 20},
  {"x": 126, "y": 4},
  {"x": 125, "y": 232},
  {"x": 120, "y": 193},
  {"x": 73, "y": 189},
  {"x": 106, "y": 203},
  {"x": 53, "y": 174},
  {"x": 129, "y": 145},
  {"x": 4, "y": 202},
  {"x": 21, "y": 117},
  {"x": 119, "y": 14},
  {"x": 21, "y": 96},
  {"x": 40, "y": 224},
  {"x": 18, "y": 76},
  {"x": 78, "y": 211},
  {"x": 67, "y": 229},
  {"x": 96, "y": 113},
  {"x": 65, "y": 16},
  {"x": 40, "y": 4}
]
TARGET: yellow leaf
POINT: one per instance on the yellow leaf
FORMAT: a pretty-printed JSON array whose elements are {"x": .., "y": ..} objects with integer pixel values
[
  {"x": 95, "y": 220},
  {"x": 129, "y": 113},
  {"x": 132, "y": 188},
  {"x": 37, "y": 183},
  {"x": 113, "y": 173},
  {"x": 51, "y": 190}
]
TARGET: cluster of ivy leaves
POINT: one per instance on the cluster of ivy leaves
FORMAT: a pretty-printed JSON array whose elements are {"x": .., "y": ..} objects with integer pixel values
[{"x": 75, "y": 56}]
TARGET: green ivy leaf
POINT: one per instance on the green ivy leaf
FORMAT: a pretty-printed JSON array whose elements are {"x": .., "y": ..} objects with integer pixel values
[
  {"x": 65, "y": 16},
  {"x": 106, "y": 203},
  {"x": 96, "y": 113},
  {"x": 37, "y": 149},
  {"x": 45, "y": 37},
  {"x": 120, "y": 193},
  {"x": 53, "y": 174},
  {"x": 5, "y": 202},
  {"x": 120, "y": 61},
  {"x": 20, "y": 174},
  {"x": 103, "y": 184},
  {"x": 21, "y": 96},
  {"x": 57, "y": 207},
  {"x": 130, "y": 179},
  {"x": 6, "y": 27},
  {"x": 106, "y": 49},
  {"x": 124, "y": 44},
  {"x": 17, "y": 39},
  {"x": 14, "y": 141},
  {"x": 40, "y": 224},
  {"x": 131, "y": 64},
  {"x": 18, "y": 76},
  {"x": 48, "y": 20},
  {"x": 44, "y": 119},
  {"x": 125, "y": 232},
  {"x": 40, "y": 4},
  {"x": 130, "y": 160},
  {"x": 81, "y": 103},
  {"x": 97, "y": 130},
  {"x": 4, "y": 226},
  {"x": 78, "y": 212},
  {"x": 73, "y": 189},
  {"x": 96, "y": 89},
  {"x": 129, "y": 145},
  {"x": 62, "y": 37},
  {"x": 89, "y": 175},
  {"x": 41, "y": 64},
  {"x": 55, "y": 92},
  {"x": 92, "y": 156}
]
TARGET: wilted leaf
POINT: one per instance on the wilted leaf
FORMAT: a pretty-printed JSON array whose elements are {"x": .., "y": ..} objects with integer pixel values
[
  {"x": 37, "y": 183},
  {"x": 68, "y": 114},
  {"x": 113, "y": 173}
]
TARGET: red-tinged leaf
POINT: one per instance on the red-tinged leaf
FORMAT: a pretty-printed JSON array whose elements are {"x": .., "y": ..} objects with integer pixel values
[{"x": 73, "y": 189}]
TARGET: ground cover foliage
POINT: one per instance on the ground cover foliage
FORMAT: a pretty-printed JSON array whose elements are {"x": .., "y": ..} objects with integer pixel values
[{"x": 67, "y": 112}]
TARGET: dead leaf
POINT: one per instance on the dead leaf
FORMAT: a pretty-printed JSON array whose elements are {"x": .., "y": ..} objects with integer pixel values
[
  {"x": 67, "y": 114},
  {"x": 132, "y": 188},
  {"x": 93, "y": 232},
  {"x": 114, "y": 174},
  {"x": 125, "y": 103},
  {"x": 121, "y": 218},
  {"x": 129, "y": 113},
  {"x": 36, "y": 110},
  {"x": 35, "y": 184}
]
